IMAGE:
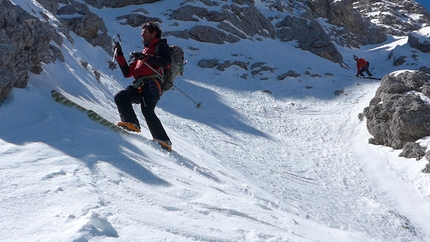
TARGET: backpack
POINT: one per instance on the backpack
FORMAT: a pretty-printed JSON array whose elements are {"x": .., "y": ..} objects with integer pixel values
[{"x": 175, "y": 69}]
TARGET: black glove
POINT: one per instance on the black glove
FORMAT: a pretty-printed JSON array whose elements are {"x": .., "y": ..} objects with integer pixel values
[
  {"x": 136, "y": 56},
  {"x": 117, "y": 48}
]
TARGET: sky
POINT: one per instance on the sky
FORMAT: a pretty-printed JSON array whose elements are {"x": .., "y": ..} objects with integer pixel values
[
  {"x": 262, "y": 160},
  {"x": 425, "y": 3}
]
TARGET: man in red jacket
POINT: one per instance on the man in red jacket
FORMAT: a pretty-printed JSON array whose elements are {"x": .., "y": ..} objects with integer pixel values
[
  {"x": 362, "y": 66},
  {"x": 146, "y": 88}
]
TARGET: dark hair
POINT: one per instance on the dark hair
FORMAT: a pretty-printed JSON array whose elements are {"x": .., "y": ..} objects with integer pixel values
[{"x": 151, "y": 27}]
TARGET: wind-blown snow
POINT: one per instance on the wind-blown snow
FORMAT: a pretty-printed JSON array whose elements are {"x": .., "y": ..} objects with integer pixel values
[{"x": 293, "y": 165}]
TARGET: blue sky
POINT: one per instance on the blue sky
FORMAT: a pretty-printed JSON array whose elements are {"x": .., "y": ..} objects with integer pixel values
[{"x": 425, "y": 3}]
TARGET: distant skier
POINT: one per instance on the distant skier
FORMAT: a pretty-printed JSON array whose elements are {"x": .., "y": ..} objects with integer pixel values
[
  {"x": 362, "y": 66},
  {"x": 146, "y": 88}
]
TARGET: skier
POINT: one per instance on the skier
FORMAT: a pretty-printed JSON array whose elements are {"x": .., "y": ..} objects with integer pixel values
[
  {"x": 362, "y": 66},
  {"x": 146, "y": 88}
]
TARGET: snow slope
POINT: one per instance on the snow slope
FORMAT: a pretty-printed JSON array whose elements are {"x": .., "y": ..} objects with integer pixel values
[{"x": 293, "y": 165}]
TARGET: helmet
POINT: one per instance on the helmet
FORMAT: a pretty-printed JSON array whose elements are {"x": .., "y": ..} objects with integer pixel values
[{"x": 355, "y": 57}]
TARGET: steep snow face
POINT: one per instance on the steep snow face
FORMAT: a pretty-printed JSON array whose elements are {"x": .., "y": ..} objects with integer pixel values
[{"x": 263, "y": 159}]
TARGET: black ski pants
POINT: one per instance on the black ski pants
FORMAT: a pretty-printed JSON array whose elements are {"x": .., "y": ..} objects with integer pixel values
[
  {"x": 148, "y": 99},
  {"x": 365, "y": 69}
]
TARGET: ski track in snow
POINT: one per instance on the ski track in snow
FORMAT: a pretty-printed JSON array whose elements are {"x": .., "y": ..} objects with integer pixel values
[
  {"x": 263, "y": 186},
  {"x": 318, "y": 175}
]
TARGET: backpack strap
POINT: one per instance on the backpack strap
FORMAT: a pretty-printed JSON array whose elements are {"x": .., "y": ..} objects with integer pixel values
[
  {"x": 157, "y": 50},
  {"x": 158, "y": 44},
  {"x": 158, "y": 74}
]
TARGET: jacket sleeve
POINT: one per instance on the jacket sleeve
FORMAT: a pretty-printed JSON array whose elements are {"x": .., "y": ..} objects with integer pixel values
[
  {"x": 126, "y": 70},
  {"x": 163, "y": 58}
]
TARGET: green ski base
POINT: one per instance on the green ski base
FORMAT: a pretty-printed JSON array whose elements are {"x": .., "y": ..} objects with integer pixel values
[
  {"x": 60, "y": 98},
  {"x": 100, "y": 120}
]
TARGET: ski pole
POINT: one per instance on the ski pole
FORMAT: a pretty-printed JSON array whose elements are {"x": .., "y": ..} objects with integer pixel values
[
  {"x": 199, "y": 105},
  {"x": 113, "y": 39},
  {"x": 152, "y": 68}
]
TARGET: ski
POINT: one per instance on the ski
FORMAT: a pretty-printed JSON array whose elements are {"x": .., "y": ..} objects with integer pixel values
[
  {"x": 367, "y": 77},
  {"x": 60, "y": 98},
  {"x": 108, "y": 124}
]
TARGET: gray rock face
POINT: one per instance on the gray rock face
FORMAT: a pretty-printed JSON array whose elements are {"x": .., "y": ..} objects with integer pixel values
[
  {"x": 136, "y": 20},
  {"x": 315, "y": 25},
  {"x": 246, "y": 18},
  {"x": 24, "y": 45},
  {"x": 398, "y": 61},
  {"x": 211, "y": 35},
  {"x": 400, "y": 111},
  {"x": 116, "y": 3},
  {"x": 418, "y": 42},
  {"x": 413, "y": 150},
  {"x": 25, "y": 40},
  {"x": 354, "y": 30},
  {"x": 310, "y": 36},
  {"x": 212, "y": 63},
  {"x": 242, "y": 20},
  {"x": 87, "y": 24},
  {"x": 396, "y": 17},
  {"x": 427, "y": 167},
  {"x": 290, "y": 73}
]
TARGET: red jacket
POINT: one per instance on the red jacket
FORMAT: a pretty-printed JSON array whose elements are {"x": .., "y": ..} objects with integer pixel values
[
  {"x": 361, "y": 63},
  {"x": 156, "y": 60}
]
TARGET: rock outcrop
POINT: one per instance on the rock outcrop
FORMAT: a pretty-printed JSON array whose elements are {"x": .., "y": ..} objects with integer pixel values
[
  {"x": 25, "y": 42},
  {"x": 84, "y": 23},
  {"x": 234, "y": 22},
  {"x": 242, "y": 20},
  {"x": 310, "y": 37},
  {"x": 395, "y": 17},
  {"x": 348, "y": 28},
  {"x": 317, "y": 26},
  {"x": 420, "y": 40},
  {"x": 116, "y": 3},
  {"x": 400, "y": 111}
]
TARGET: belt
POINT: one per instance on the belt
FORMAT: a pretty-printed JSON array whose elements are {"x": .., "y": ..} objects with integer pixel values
[{"x": 140, "y": 81}]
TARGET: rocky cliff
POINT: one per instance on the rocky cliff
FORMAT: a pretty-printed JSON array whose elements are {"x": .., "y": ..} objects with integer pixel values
[
  {"x": 400, "y": 111},
  {"x": 395, "y": 17},
  {"x": 317, "y": 26},
  {"x": 25, "y": 42}
]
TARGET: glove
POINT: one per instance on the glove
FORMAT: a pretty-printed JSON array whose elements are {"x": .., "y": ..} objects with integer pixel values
[
  {"x": 137, "y": 56},
  {"x": 138, "y": 83},
  {"x": 117, "y": 48}
]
